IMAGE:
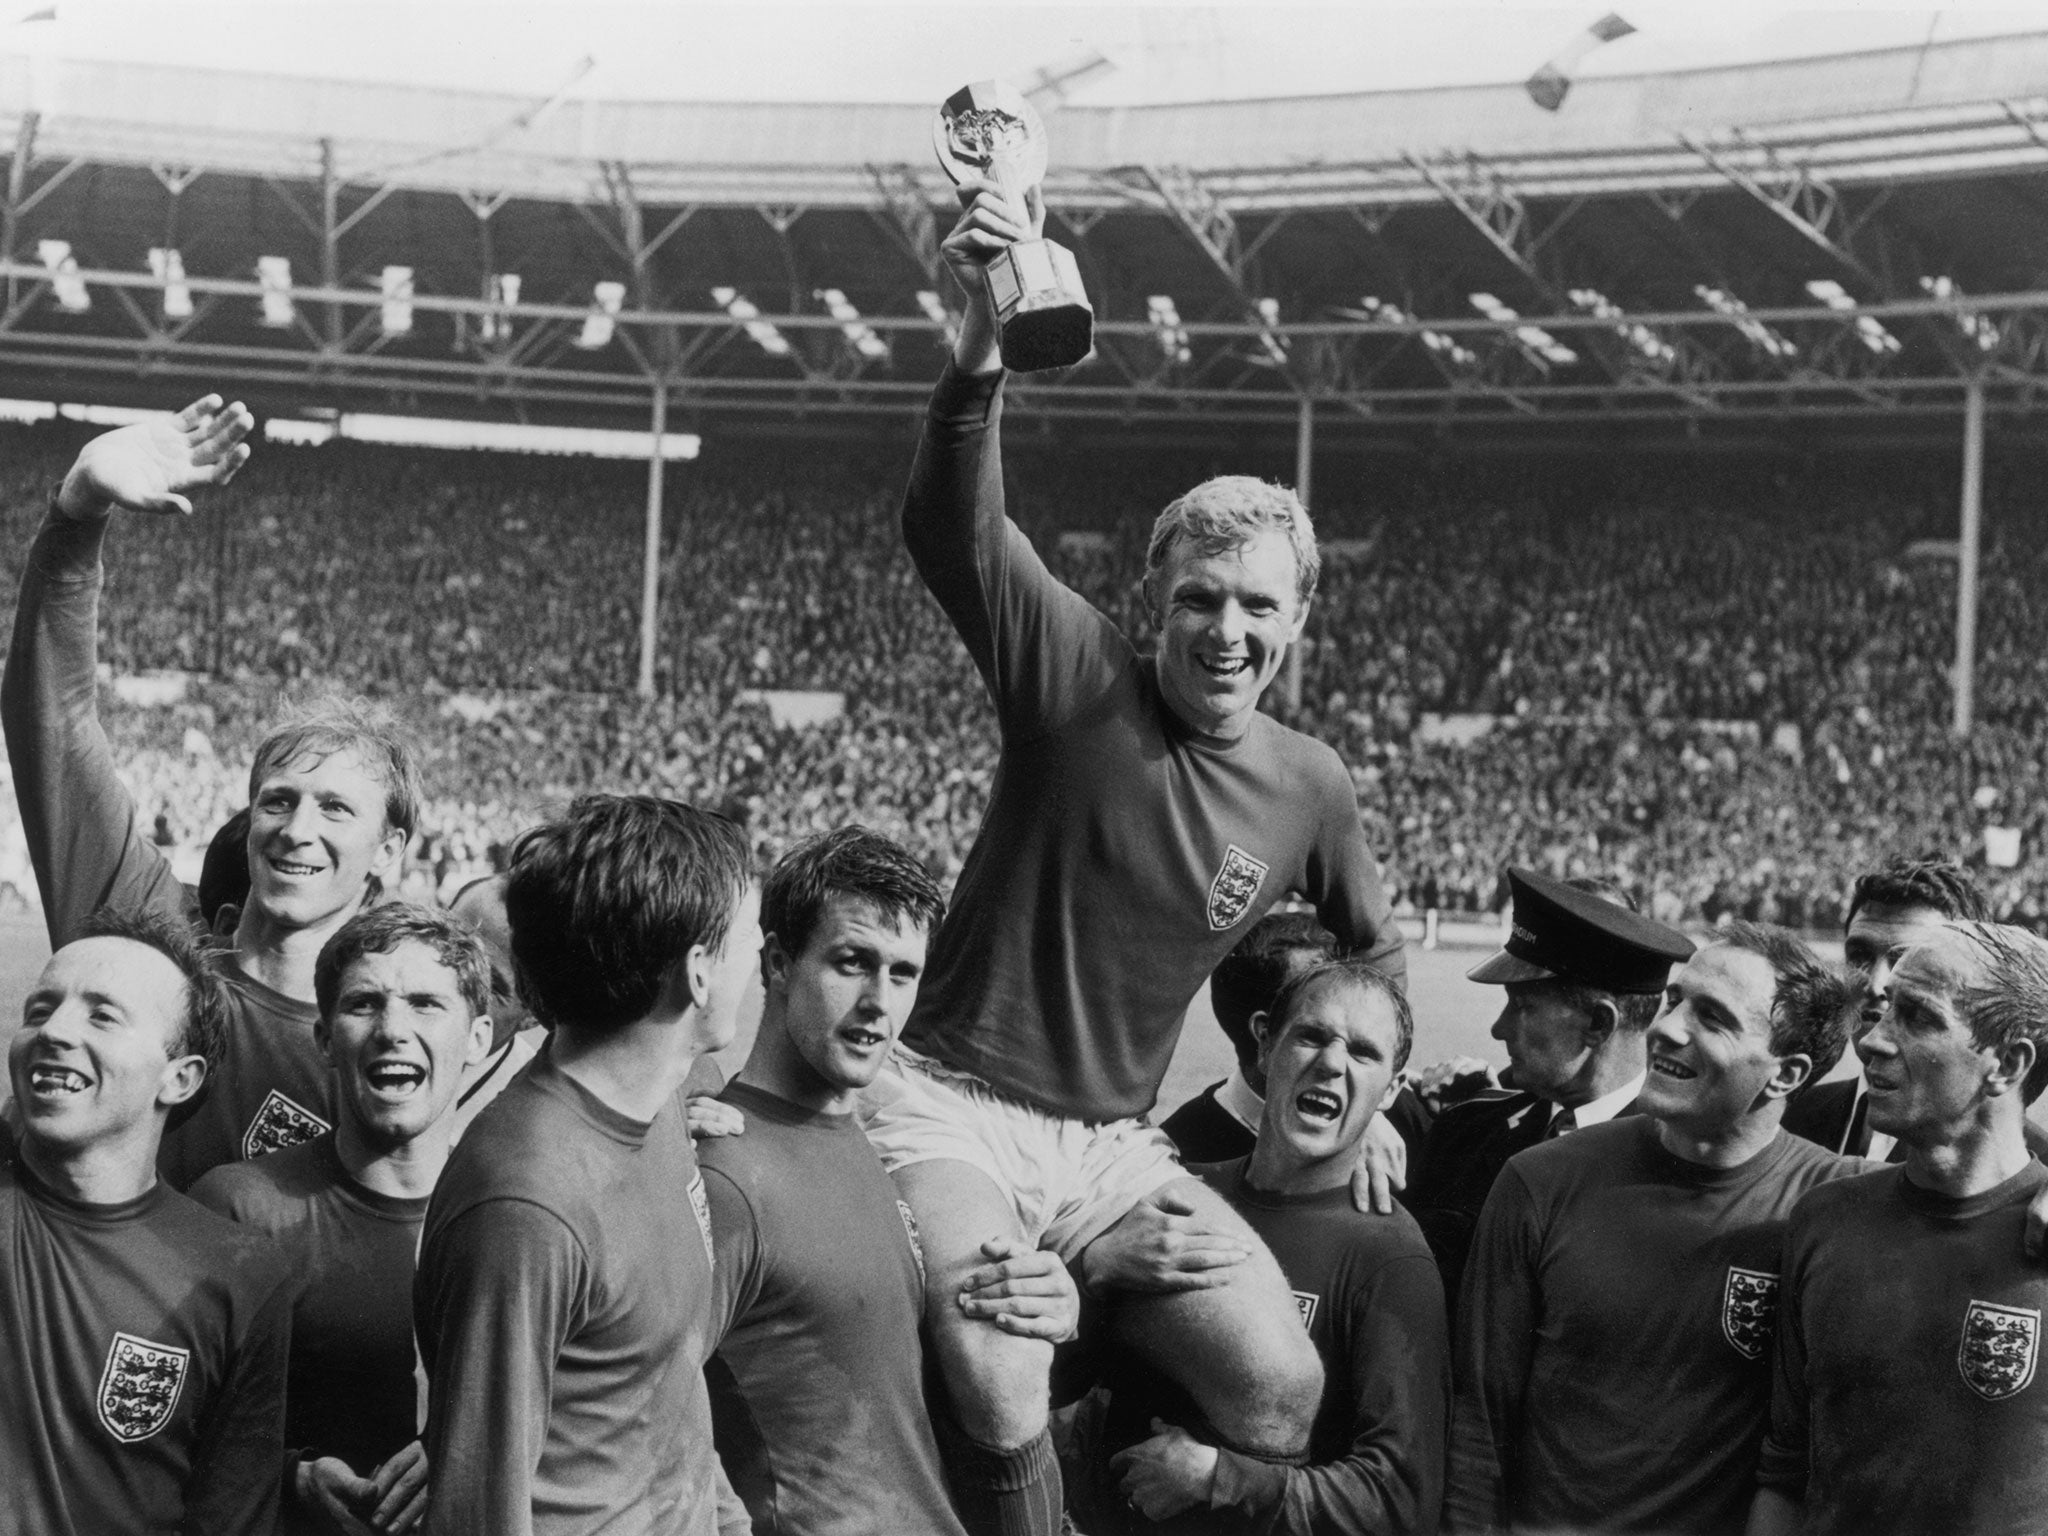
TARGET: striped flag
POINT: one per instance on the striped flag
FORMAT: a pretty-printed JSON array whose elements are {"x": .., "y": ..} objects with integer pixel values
[{"x": 1547, "y": 87}]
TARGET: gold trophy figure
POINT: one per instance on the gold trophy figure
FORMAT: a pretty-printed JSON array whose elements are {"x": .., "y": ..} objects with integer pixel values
[{"x": 989, "y": 130}]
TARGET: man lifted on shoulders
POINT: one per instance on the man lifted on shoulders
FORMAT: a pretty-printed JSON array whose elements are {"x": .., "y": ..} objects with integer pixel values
[{"x": 1144, "y": 813}]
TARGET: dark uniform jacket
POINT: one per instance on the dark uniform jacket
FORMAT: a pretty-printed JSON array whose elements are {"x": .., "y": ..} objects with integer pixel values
[
  {"x": 1467, "y": 1147},
  {"x": 1833, "y": 1115}
]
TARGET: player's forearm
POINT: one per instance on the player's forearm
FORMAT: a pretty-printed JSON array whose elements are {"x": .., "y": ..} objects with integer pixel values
[{"x": 953, "y": 513}]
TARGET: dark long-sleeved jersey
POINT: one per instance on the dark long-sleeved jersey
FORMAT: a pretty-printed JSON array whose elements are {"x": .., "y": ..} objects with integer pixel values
[{"x": 1123, "y": 853}]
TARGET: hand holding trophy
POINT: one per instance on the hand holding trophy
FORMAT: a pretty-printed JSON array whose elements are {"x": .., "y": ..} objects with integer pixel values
[{"x": 990, "y": 132}]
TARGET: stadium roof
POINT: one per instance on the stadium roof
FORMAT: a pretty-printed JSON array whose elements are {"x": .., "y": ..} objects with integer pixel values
[{"x": 1850, "y": 236}]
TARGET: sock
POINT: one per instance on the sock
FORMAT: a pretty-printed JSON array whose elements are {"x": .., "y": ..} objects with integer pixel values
[{"x": 1008, "y": 1493}]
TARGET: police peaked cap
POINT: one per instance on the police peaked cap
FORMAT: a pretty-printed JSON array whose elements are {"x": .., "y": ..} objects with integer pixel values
[{"x": 1559, "y": 931}]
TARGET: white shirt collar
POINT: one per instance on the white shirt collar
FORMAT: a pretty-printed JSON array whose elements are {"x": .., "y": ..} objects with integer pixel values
[
  {"x": 1608, "y": 1105},
  {"x": 1236, "y": 1099}
]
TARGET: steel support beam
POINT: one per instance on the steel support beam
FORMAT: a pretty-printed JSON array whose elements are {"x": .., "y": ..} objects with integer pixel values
[
  {"x": 650, "y": 567},
  {"x": 1969, "y": 546}
]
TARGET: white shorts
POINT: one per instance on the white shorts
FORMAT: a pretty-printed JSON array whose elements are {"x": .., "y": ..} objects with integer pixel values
[{"x": 1068, "y": 1181}]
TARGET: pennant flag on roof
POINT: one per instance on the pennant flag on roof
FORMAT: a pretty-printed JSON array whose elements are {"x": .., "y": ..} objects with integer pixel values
[{"x": 1547, "y": 87}]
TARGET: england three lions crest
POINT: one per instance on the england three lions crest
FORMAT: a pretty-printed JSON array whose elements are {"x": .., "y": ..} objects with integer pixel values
[
  {"x": 140, "y": 1386},
  {"x": 2000, "y": 1348},
  {"x": 281, "y": 1122},
  {"x": 1749, "y": 1310},
  {"x": 1231, "y": 892}
]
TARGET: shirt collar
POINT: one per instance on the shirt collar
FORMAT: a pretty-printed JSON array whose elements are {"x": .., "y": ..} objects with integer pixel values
[
  {"x": 1235, "y": 1098},
  {"x": 1608, "y": 1105}
]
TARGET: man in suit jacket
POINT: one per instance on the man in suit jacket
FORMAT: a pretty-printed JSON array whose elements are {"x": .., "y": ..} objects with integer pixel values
[
  {"x": 1891, "y": 909},
  {"x": 1583, "y": 974}
]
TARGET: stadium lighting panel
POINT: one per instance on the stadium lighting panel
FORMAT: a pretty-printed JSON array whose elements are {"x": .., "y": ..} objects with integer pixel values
[
  {"x": 1641, "y": 337},
  {"x": 108, "y": 415},
  {"x": 1533, "y": 337},
  {"x": 501, "y": 288},
  {"x": 861, "y": 335},
  {"x": 1979, "y": 328},
  {"x": 62, "y": 266},
  {"x": 1444, "y": 345},
  {"x": 1276, "y": 353},
  {"x": 606, "y": 300},
  {"x": 1173, "y": 336},
  {"x": 27, "y": 411},
  {"x": 497, "y": 436},
  {"x": 275, "y": 274},
  {"x": 169, "y": 269},
  {"x": 1869, "y": 329},
  {"x": 1760, "y": 336},
  {"x": 395, "y": 319},
  {"x": 935, "y": 311},
  {"x": 744, "y": 310}
]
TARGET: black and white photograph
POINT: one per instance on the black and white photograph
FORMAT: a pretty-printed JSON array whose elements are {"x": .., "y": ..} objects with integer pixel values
[{"x": 1011, "y": 769}]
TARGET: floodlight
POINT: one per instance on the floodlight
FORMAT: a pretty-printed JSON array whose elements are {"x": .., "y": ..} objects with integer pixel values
[
  {"x": 1978, "y": 328},
  {"x": 1444, "y": 346},
  {"x": 62, "y": 266},
  {"x": 169, "y": 268},
  {"x": 863, "y": 337},
  {"x": 771, "y": 341},
  {"x": 107, "y": 415},
  {"x": 1759, "y": 335},
  {"x": 1546, "y": 347},
  {"x": 1641, "y": 337},
  {"x": 606, "y": 300},
  {"x": 395, "y": 319},
  {"x": 1869, "y": 329},
  {"x": 275, "y": 274},
  {"x": 499, "y": 288},
  {"x": 935, "y": 311},
  {"x": 27, "y": 410},
  {"x": 1269, "y": 315},
  {"x": 1173, "y": 336}
]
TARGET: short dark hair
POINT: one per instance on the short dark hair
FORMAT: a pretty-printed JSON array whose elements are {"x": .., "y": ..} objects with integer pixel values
[
  {"x": 850, "y": 861},
  {"x": 204, "y": 1030},
  {"x": 1350, "y": 971},
  {"x": 1812, "y": 1003},
  {"x": 608, "y": 898},
  {"x": 1248, "y": 979},
  {"x": 1940, "y": 884},
  {"x": 381, "y": 929},
  {"x": 2012, "y": 1005},
  {"x": 344, "y": 724},
  {"x": 1634, "y": 1010}
]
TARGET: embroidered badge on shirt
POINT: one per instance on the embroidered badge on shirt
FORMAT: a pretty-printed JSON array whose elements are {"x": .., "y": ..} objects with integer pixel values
[
  {"x": 1749, "y": 1310},
  {"x": 281, "y": 1122},
  {"x": 1231, "y": 892},
  {"x": 910, "y": 1231},
  {"x": 2000, "y": 1348},
  {"x": 140, "y": 1386},
  {"x": 700, "y": 1202},
  {"x": 1305, "y": 1304}
]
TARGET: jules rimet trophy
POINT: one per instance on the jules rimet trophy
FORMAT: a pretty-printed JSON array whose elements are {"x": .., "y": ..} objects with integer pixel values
[{"x": 989, "y": 130}]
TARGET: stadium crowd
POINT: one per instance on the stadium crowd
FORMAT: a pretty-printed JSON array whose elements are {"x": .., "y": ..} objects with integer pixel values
[
  {"x": 1723, "y": 688},
  {"x": 333, "y": 1211}
]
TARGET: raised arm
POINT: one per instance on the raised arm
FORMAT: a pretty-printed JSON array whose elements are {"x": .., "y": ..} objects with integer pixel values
[
  {"x": 78, "y": 818},
  {"x": 493, "y": 1301},
  {"x": 1042, "y": 649}
]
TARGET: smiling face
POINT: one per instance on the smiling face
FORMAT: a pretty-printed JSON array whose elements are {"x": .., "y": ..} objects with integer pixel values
[
  {"x": 1329, "y": 1069},
  {"x": 1710, "y": 1047},
  {"x": 844, "y": 1000},
  {"x": 398, "y": 1038},
  {"x": 1921, "y": 1063},
  {"x": 1546, "y": 1036},
  {"x": 317, "y": 835},
  {"x": 95, "y": 1061},
  {"x": 1877, "y": 935},
  {"x": 1225, "y": 622}
]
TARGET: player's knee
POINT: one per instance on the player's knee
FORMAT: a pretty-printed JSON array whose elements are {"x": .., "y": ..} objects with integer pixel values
[
  {"x": 998, "y": 1383},
  {"x": 1275, "y": 1406}
]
